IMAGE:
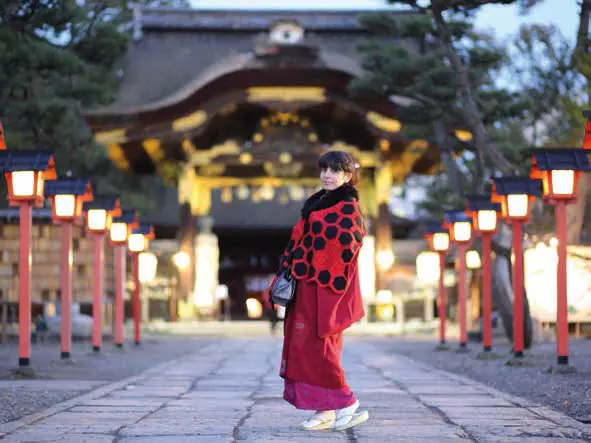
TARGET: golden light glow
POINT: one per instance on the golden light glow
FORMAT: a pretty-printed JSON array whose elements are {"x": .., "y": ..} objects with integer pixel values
[
  {"x": 96, "y": 220},
  {"x": 384, "y": 144},
  {"x": 257, "y": 138},
  {"x": 118, "y": 232},
  {"x": 563, "y": 182},
  {"x": 205, "y": 156},
  {"x": 385, "y": 259},
  {"x": 384, "y": 123},
  {"x": 153, "y": 148},
  {"x": 285, "y": 94},
  {"x": 517, "y": 205},
  {"x": 285, "y": 157},
  {"x": 246, "y": 158},
  {"x": 254, "y": 308},
  {"x": 313, "y": 137},
  {"x": 110, "y": 137},
  {"x": 487, "y": 220},
  {"x": 23, "y": 183},
  {"x": 190, "y": 121},
  {"x": 385, "y": 312},
  {"x": 226, "y": 196},
  {"x": 181, "y": 260},
  {"x": 65, "y": 205},
  {"x": 463, "y": 135},
  {"x": 462, "y": 231},
  {"x": 117, "y": 156},
  {"x": 188, "y": 147},
  {"x": 441, "y": 241},
  {"x": 136, "y": 243}
]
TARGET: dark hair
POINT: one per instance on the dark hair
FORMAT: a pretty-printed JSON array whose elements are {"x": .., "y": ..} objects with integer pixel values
[{"x": 340, "y": 161}]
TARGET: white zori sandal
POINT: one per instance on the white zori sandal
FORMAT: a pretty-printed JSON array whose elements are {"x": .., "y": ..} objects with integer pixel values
[
  {"x": 348, "y": 417},
  {"x": 338, "y": 420},
  {"x": 319, "y": 421}
]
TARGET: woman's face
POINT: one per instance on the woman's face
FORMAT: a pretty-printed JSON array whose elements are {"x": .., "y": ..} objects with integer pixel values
[{"x": 332, "y": 179}]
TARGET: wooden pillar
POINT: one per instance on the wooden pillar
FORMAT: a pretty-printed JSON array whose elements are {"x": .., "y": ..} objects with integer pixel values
[
  {"x": 383, "y": 225},
  {"x": 195, "y": 200},
  {"x": 188, "y": 230}
]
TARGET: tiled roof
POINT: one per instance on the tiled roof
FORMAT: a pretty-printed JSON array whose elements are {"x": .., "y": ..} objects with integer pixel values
[{"x": 251, "y": 20}]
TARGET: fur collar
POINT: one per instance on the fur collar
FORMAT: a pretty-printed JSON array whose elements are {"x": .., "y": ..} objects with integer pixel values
[{"x": 325, "y": 199}]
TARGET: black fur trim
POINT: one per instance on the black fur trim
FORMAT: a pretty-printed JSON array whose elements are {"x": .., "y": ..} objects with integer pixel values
[{"x": 325, "y": 199}]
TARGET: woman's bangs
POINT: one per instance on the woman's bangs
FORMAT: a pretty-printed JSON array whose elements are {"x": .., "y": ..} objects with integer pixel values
[{"x": 331, "y": 161}]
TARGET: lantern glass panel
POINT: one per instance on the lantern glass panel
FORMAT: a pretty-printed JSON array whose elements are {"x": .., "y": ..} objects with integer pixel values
[
  {"x": 23, "y": 183},
  {"x": 148, "y": 264},
  {"x": 97, "y": 220},
  {"x": 473, "y": 259},
  {"x": 118, "y": 232},
  {"x": 427, "y": 265},
  {"x": 65, "y": 205},
  {"x": 462, "y": 231},
  {"x": 517, "y": 205},
  {"x": 136, "y": 242},
  {"x": 563, "y": 182},
  {"x": 487, "y": 220},
  {"x": 441, "y": 241}
]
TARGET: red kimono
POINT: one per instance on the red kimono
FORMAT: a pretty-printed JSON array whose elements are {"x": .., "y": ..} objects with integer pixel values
[{"x": 322, "y": 252}]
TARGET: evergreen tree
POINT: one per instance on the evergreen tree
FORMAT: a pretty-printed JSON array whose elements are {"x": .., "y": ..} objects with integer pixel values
[
  {"x": 57, "y": 57},
  {"x": 449, "y": 74}
]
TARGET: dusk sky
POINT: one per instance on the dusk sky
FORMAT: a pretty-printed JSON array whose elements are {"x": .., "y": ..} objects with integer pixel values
[{"x": 504, "y": 19}]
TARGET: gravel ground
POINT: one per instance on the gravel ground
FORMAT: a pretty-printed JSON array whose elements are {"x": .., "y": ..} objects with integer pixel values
[
  {"x": 567, "y": 393},
  {"x": 55, "y": 382}
]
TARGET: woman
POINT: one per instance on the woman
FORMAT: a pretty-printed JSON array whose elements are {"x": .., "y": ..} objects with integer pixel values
[{"x": 322, "y": 254}]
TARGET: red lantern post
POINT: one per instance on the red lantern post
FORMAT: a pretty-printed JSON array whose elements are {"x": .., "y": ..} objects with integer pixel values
[
  {"x": 138, "y": 243},
  {"x": 516, "y": 195},
  {"x": 560, "y": 170},
  {"x": 120, "y": 229},
  {"x": 438, "y": 239},
  {"x": 460, "y": 230},
  {"x": 67, "y": 197},
  {"x": 484, "y": 222},
  {"x": 26, "y": 173},
  {"x": 99, "y": 214}
]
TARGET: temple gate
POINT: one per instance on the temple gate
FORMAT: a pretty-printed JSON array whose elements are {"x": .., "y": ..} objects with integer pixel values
[{"x": 240, "y": 104}]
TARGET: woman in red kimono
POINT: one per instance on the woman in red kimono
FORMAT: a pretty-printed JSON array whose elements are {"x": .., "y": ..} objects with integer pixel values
[{"x": 322, "y": 253}]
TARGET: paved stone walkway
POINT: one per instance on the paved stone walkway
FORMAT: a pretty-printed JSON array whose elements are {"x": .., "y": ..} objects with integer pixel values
[{"x": 230, "y": 392}]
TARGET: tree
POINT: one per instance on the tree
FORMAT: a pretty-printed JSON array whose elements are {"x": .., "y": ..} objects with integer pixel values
[
  {"x": 449, "y": 78},
  {"x": 57, "y": 57},
  {"x": 423, "y": 73}
]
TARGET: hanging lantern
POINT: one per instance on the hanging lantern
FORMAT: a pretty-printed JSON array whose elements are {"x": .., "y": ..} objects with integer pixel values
[
  {"x": 284, "y": 197},
  {"x": 226, "y": 196},
  {"x": 242, "y": 192},
  {"x": 267, "y": 192}
]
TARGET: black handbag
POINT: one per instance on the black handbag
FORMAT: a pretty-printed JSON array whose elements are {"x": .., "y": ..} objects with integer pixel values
[{"x": 283, "y": 291}]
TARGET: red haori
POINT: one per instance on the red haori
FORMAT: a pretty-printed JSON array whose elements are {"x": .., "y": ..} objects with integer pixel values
[{"x": 322, "y": 247}]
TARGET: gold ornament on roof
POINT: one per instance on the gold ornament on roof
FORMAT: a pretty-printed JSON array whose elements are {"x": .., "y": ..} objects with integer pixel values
[
  {"x": 246, "y": 158},
  {"x": 384, "y": 123}
]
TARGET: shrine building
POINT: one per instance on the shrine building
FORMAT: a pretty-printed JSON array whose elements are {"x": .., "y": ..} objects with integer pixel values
[{"x": 232, "y": 108}]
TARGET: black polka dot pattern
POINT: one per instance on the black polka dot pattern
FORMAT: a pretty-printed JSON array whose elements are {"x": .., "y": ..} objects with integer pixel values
[{"x": 327, "y": 245}]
